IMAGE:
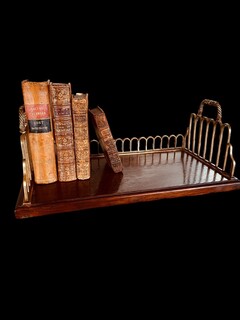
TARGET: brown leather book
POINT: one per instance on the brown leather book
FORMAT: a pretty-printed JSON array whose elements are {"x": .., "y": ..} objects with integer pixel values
[
  {"x": 60, "y": 98},
  {"x": 106, "y": 139},
  {"x": 40, "y": 130},
  {"x": 81, "y": 135}
]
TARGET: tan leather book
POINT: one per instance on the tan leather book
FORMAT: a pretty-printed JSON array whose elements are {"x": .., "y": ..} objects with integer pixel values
[
  {"x": 81, "y": 135},
  {"x": 106, "y": 139},
  {"x": 60, "y": 98},
  {"x": 40, "y": 130}
]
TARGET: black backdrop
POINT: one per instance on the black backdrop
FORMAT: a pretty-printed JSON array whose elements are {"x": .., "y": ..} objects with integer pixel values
[
  {"x": 149, "y": 68},
  {"x": 146, "y": 78}
]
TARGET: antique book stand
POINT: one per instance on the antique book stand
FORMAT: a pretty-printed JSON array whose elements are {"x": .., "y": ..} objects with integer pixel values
[{"x": 198, "y": 162}]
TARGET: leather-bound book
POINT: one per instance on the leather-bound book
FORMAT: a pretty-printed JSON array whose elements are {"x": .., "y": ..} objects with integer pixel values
[
  {"x": 40, "y": 130},
  {"x": 81, "y": 135},
  {"x": 60, "y": 98},
  {"x": 106, "y": 139}
]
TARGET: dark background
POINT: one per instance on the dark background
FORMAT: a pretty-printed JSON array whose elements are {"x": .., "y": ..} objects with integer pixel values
[
  {"x": 147, "y": 72},
  {"x": 148, "y": 67}
]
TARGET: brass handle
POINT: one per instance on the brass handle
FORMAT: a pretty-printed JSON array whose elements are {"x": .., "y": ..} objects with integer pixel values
[{"x": 211, "y": 103}]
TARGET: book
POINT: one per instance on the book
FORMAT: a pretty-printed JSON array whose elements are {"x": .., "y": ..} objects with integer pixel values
[
  {"x": 40, "y": 130},
  {"x": 81, "y": 135},
  {"x": 105, "y": 138},
  {"x": 60, "y": 99}
]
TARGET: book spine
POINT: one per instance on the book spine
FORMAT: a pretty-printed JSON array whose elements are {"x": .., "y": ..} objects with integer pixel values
[
  {"x": 81, "y": 135},
  {"x": 60, "y": 98},
  {"x": 40, "y": 130},
  {"x": 106, "y": 139}
]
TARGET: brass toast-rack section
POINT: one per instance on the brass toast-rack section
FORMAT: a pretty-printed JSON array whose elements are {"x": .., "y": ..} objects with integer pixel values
[{"x": 209, "y": 139}]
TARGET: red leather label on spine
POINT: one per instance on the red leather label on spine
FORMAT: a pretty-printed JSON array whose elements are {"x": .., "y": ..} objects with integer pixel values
[{"x": 37, "y": 111}]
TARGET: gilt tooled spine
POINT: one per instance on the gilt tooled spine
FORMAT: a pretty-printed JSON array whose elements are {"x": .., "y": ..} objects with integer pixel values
[
  {"x": 106, "y": 139},
  {"x": 60, "y": 98},
  {"x": 81, "y": 135},
  {"x": 40, "y": 130}
]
